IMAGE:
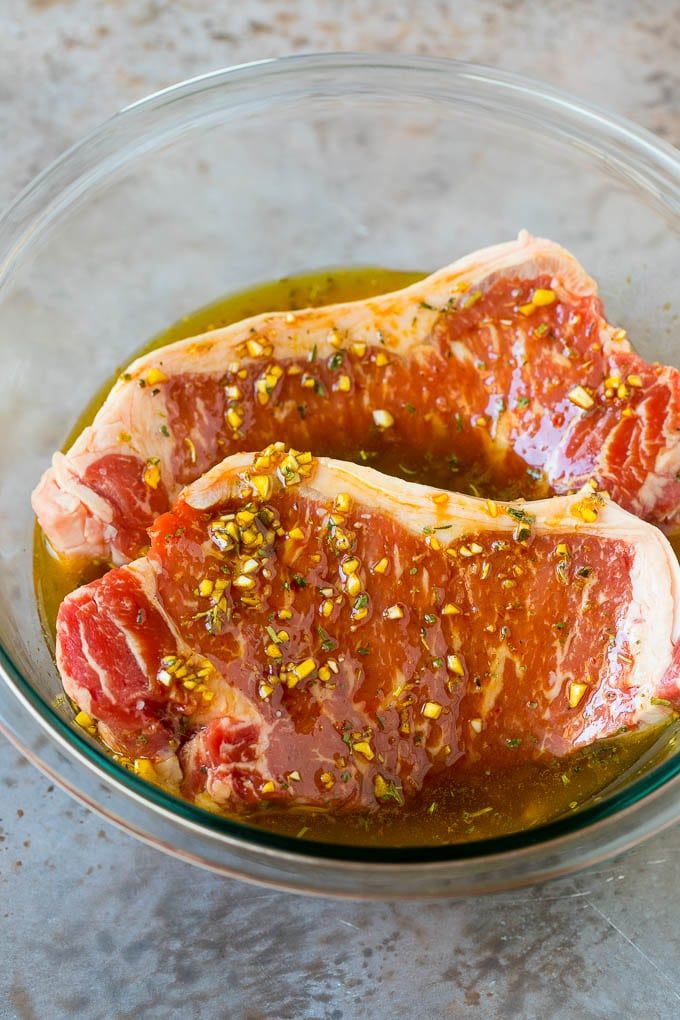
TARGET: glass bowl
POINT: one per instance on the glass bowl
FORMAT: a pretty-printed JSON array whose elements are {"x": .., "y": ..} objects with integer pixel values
[{"x": 257, "y": 172}]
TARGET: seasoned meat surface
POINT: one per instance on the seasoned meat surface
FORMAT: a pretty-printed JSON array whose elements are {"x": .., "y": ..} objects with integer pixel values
[
  {"x": 497, "y": 375},
  {"x": 310, "y": 632}
]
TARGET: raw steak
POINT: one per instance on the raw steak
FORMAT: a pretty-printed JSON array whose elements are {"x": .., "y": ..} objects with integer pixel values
[
  {"x": 497, "y": 375},
  {"x": 312, "y": 632}
]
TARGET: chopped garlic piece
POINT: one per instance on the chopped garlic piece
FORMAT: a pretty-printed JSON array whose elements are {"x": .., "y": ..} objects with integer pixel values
[
  {"x": 304, "y": 669},
  {"x": 343, "y": 502},
  {"x": 254, "y": 348},
  {"x": 263, "y": 484},
  {"x": 576, "y": 692},
  {"x": 154, "y": 376},
  {"x": 542, "y": 297},
  {"x": 383, "y": 419},
  {"x": 243, "y": 581},
  {"x": 145, "y": 769},
  {"x": 454, "y": 665},
  {"x": 581, "y": 398},
  {"x": 234, "y": 418},
  {"x": 432, "y": 710}
]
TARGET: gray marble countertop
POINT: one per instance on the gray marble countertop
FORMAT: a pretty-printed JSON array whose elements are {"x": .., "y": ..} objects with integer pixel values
[{"x": 95, "y": 924}]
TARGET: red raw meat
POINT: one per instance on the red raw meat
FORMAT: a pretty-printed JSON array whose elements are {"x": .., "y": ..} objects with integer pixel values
[
  {"x": 310, "y": 632},
  {"x": 497, "y": 375}
]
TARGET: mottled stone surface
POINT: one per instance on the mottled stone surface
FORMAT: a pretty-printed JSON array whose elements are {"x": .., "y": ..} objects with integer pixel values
[{"x": 97, "y": 925}]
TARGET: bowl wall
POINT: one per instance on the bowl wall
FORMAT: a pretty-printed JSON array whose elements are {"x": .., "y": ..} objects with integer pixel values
[{"x": 256, "y": 173}]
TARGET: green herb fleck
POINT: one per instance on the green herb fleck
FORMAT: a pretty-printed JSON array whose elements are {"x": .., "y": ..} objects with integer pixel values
[
  {"x": 521, "y": 533},
  {"x": 521, "y": 515},
  {"x": 393, "y": 793},
  {"x": 327, "y": 642}
]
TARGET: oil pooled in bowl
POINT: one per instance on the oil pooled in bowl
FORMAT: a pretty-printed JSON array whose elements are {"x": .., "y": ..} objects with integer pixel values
[{"x": 454, "y": 809}]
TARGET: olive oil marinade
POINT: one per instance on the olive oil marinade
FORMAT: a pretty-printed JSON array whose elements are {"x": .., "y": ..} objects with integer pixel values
[{"x": 455, "y": 808}]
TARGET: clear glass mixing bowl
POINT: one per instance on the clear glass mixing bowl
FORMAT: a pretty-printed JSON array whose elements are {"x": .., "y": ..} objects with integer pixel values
[{"x": 253, "y": 173}]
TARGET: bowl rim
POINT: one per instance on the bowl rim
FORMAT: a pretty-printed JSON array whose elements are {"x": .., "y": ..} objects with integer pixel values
[{"x": 653, "y": 163}]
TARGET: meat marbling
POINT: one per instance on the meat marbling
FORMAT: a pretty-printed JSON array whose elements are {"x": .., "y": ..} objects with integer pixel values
[
  {"x": 313, "y": 632},
  {"x": 499, "y": 371}
]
